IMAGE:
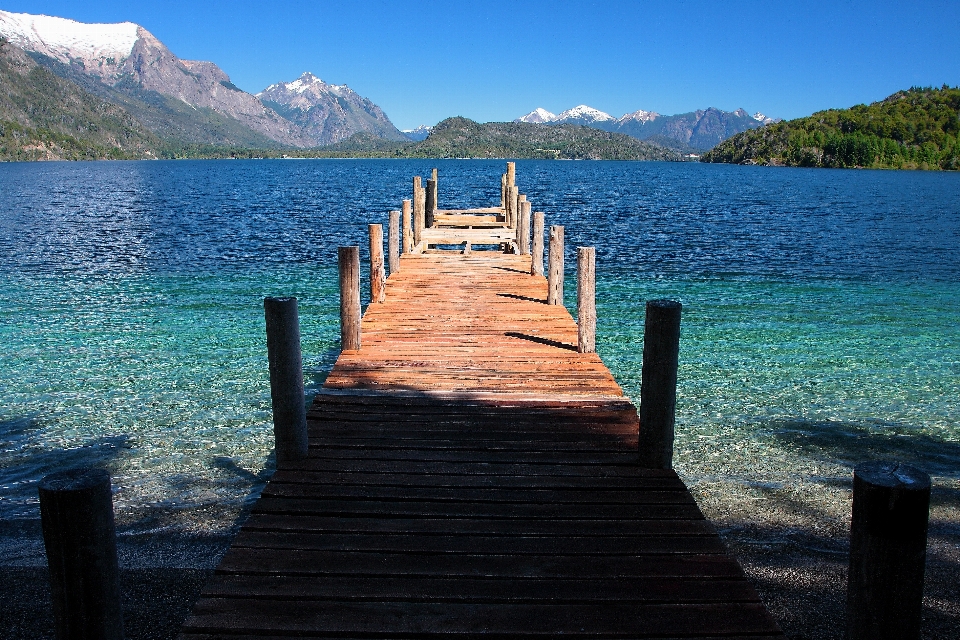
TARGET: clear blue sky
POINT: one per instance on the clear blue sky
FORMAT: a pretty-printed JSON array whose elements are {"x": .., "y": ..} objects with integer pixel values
[{"x": 492, "y": 61}]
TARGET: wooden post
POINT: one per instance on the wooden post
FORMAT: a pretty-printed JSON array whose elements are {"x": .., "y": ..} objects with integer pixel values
[
  {"x": 511, "y": 174},
  {"x": 555, "y": 274},
  {"x": 586, "y": 300},
  {"x": 658, "y": 383},
  {"x": 430, "y": 210},
  {"x": 286, "y": 378},
  {"x": 888, "y": 546},
  {"x": 378, "y": 277},
  {"x": 523, "y": 229},
  {"x": 513, "y": 197},
  {"x": 433, "y": 174},
  {"x": 436, "y": 202},
  {"x": 536, "y": 262},
  {"x": 76, "y": 514},
  {"x": 348, "y": 262},
  {"x": 419, "y": 203},
  {"x": 407, "y": 228},
  {"x": 393, "y": 241},
  {"x": 503, "y": 190}
]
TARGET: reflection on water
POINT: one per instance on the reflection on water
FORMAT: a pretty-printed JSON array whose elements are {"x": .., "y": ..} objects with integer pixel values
[{"x": 820, "y": 324}]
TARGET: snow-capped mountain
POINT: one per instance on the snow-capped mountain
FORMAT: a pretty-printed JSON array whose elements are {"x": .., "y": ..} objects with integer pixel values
[
  {"x": 582, "y": 114},
  {"x": 418, "y": 134},
  {"x": 699, "y": 130},
  {"x": 759, "y": 117},
  {"x": 100, "y": 48},
  {"x": 538, "y": 116},
  {"x": 638, "y": 116},
  {"x": 125, "y": 52},
  {"x": 328, "y": 113}
]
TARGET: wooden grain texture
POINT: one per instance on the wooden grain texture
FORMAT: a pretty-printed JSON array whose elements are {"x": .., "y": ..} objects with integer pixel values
[
  {"x": 378, "y": 275},
  {"x": 471, "y": 474},
  {"x": 393, "y": 241}
]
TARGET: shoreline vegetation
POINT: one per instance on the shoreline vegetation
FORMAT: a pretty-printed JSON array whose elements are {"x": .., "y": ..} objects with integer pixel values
[
  {"x": 914, "y": 129},
  {"x": 457, "y": 137}
]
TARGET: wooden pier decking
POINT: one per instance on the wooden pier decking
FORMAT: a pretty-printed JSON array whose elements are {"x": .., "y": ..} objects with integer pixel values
[{"x": 471, "y": 474}]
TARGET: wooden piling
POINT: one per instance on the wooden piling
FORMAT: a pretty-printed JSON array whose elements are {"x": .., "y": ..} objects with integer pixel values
[
  {"x": 536, "y": 258},
  {"x": 419, "y": 204},
  {"x": 430, "y": 208},
  {"x": 658, "y": 383},
  {"x": 378, "y": 277},
  {"x": 76, "y": 515},
  {"x": 436, "y": 182},
  {"x": 586, "y": 300},
  {"x": 555, "y": 272},
  {"x": 523, "y": 229},
  {"x": 393, "y": 242},
  {"x": 407, "y": 228},
  {"x": 286, "y": 379},
  {"x": 348, "y": 262},
  {"x": 888, "y": 543},
  {"x": 511, "y": 174},
  {"x": 503, "y": 190},
  {"x": 513, "y": 197}
]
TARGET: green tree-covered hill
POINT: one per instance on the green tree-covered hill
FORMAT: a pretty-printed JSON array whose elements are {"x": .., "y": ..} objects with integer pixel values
[{"x": 915, "y": 129}]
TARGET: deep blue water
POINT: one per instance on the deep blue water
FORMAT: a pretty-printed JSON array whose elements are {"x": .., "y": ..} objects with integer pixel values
[{"x": 821, "y": 308}]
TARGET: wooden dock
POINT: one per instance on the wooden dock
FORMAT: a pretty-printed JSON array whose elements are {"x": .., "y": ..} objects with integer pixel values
[{"x": 470, "y": 473}]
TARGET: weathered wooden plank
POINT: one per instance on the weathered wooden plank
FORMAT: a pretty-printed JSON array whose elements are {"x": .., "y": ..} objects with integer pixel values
[{"x": 531, "y": 590}]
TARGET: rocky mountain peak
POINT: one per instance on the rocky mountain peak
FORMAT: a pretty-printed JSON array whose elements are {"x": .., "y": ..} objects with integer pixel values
[
  {"x": 537, "y": 116},
  {"x": 639, "y": 116},
  {"x": 582, "y": 113}
]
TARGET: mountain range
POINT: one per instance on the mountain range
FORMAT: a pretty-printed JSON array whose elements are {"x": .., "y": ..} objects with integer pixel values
[
  {"x": 694, "y": 131},
  {"x": 188, "y": 101},
  {"x": 70, "y": 89}
]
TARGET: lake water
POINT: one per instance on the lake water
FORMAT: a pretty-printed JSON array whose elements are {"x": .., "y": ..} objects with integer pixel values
[{"x": 821, "y": 318}]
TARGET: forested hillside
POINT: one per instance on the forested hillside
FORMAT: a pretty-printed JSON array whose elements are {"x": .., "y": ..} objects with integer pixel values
[{"x": 914, "y": 129}]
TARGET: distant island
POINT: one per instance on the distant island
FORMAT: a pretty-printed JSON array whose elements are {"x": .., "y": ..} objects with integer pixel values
[{"x": 914, "y": 129}]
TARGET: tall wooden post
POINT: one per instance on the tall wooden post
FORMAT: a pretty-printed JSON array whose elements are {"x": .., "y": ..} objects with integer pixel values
[
  {"x": 511, "y": 174},
  {"x": 888, "y": 546},
  {"x": 378, "y": 277},
  {"x": 586, "y": 300},
  {"x": 536, "y": 262},
  {"x": 348, "y": 262},
  {"x": 430, "y": 209},
  {"x": 503, "y": 190},
  {"x": 436, "y": 182},
  {"x": 407, "y": 228},
  {"x": 433, "y": 174},
  {"x": 521, "y": 198},
  {"x": 658, "y": 383},
  {"x": 512, "y": 198},
  {"x": 393, "y": 242},
  {"x": 555, "y": 273},
  {"x": 76, "y": 514},
  {"x": 286, "y": 378},
  {"x": 523, "y": 229},
  {"x": 419, "y": 203}
]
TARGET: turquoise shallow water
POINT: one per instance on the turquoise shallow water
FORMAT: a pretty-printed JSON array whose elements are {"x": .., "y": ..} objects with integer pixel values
[{"x": 820, "y": 322}]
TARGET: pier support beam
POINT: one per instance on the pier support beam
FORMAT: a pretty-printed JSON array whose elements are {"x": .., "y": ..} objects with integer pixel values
[
  {"x": 286, "y": 378},
  {"x": 523, "y": 230},
  {"x": 586, "y": 300},
  {"x": 76, "y": 513},
  {"x": 378, "y": 276},
  {"x": 348, "y": 262},
  {"x": 503, "y": 190},
  {"x": 407, "y": 227},
  {"x": 536, "y": 251},
  {"x": 393, "y": 242},
  {"x": 555, "y": 272},
  {"x": 888, "y": 545},
  {"x": 511, "y": 174},
  {"x": 430, "y": 208},
  {"x": 419, "y": 203},
  {"x": 658, "y": 383}
]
